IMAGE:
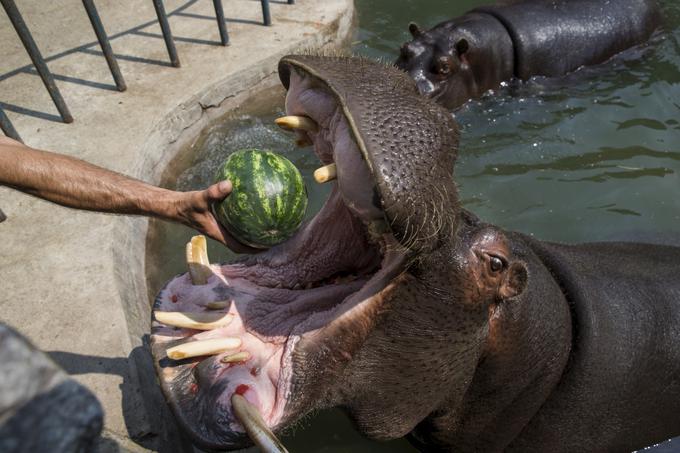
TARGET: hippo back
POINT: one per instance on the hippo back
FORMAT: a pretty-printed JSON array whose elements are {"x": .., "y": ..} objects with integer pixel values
[
  {"x": 624, "y": 368},
  {"x": 555, "y": 37}
]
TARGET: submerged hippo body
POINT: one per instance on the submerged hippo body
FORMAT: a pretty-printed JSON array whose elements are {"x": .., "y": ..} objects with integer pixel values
[
  {"x": 462, "y": 58},
  {"x": 416, "y": 317}
]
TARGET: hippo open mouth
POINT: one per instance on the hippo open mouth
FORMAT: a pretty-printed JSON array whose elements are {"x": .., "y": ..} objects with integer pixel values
[{"x": 300, "y": 308}]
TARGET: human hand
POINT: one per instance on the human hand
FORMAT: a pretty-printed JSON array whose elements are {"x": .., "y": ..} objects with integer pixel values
[{"x": 194, "y": 209}]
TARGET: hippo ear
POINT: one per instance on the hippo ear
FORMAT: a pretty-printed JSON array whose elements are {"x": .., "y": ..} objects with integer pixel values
[
  {"x": 462, "y": 46},
  {"x": 414, "y": 29},
  {"x": 514, "y": 282}
]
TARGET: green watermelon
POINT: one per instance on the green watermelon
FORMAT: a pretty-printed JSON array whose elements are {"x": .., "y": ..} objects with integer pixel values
[{"x": 268, "y": 200}]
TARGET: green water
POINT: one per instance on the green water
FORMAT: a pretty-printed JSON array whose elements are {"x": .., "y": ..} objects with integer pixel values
[{"x": 591, "y": 156}]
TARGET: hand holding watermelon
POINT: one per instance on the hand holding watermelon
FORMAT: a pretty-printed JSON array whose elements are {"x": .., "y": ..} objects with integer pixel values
[
  {"x": 194, "y": 209},
  {"x": 269, "y": 198}
]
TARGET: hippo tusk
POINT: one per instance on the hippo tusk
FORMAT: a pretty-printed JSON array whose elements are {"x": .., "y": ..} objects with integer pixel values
[
  {"x": 297, "y": 122},
  {"x": 203, "y": 347},
  {"x": 238, "y": 357},
  {"x": 326, "y": 173},
  {"x": 198, "y": 321},
  {"x": 197, "y": 260},
  {"x": 257, "y": 429}
]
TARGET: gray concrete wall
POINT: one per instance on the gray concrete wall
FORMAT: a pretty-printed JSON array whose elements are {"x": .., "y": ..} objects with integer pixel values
[{"x": 72, "y": 281}]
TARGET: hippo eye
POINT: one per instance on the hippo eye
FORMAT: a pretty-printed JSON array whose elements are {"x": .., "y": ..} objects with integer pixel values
[{"x": 496, "y": 264}]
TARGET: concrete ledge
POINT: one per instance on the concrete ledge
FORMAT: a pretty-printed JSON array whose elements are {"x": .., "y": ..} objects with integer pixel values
[{"x": 74, "y": 282}]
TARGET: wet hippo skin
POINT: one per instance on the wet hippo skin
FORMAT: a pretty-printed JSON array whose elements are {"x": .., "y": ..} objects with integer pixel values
[
  {"x": 462, "y": 58},
  {"x": 414, "y": 316}
]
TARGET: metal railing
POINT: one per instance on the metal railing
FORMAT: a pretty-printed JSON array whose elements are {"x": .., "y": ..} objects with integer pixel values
[{"x": 48, "y": 80}]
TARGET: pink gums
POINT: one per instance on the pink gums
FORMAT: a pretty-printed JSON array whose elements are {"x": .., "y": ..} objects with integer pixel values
[{"x": 261, "y": 388}]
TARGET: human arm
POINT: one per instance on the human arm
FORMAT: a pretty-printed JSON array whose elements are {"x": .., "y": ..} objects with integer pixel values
[{"x": 77, "y": 184}]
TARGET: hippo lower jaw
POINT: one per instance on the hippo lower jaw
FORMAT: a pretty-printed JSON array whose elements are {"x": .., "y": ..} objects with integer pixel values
[{"x": 293, "y": 305}]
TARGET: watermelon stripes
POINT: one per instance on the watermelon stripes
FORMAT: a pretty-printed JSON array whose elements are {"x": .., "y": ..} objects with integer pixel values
[{"x": 268, "y": 201}]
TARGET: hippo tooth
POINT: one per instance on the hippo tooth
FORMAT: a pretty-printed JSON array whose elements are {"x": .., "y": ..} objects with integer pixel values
[
  {"x": 218, "y": 304},
  {"x": 197, "y": 260},
  {"x": 255, "y": 426},
  {"x": 203, "y": 347},
  {"x": 238, "y": 357},
  {"x": 326, "y": 173},
  {"x": 198, "y": 321},
  {"x": 297, "y": 122}
]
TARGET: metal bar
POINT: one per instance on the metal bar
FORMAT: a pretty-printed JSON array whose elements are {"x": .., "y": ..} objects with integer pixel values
[
  {"x": 7, "y": 127},
  {"x": 219, "y": 13},
  {"x": 167, "y": 34},
  {"x": 104, "y": 43},
  {"x": 266, "y": 15},
  {"x": 291, "y": 2},
  {"x": 36, "y": 58}
]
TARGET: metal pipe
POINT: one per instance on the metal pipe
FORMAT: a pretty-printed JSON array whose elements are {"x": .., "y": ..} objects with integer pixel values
[
  {"x": 266, "y": 15},
  {"x": 291, "y": 2},
  {"x": 36, "y": 58},
  {"x": 167, "y": 34},
  {"x": 104, "y": 43},
  {"x": 7, "y": 127},
  {"x": 219, "y": 13}
]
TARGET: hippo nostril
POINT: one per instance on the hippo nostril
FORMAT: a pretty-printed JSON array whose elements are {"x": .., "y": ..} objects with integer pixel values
[{"x": 425, "y": 87}]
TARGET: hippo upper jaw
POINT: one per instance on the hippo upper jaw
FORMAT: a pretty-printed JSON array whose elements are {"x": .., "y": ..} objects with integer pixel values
[{"x": 408, "y": 143}]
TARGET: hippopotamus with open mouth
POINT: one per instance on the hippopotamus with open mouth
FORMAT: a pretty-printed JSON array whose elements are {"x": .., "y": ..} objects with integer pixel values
[
  {"x": 412, "y": 314},
  {"x": 466, "y": 56}
]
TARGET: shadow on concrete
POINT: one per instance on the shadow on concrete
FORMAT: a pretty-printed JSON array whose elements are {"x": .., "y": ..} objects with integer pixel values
[
  {"x": 79, "y": 81},
  {"x": 146, "y": 34},
  {"x": 131, "y": 58},
  {"x": 86, "y": 47},
  {"x": 92, "y": 48},
  {"x": 25, "y": 111},
  {"x": 148, "y": 419},
  {"x": 211, "y": 18}
]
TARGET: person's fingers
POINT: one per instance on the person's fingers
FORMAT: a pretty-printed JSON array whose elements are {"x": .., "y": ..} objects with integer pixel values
[
  {"x": 218, "y": 191},
  {"x": 220, "y": 234},
  {"x": 215, "y": 231}
]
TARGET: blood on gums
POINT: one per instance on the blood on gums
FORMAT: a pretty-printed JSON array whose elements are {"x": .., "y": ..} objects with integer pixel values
[
  {"x": 254, "y": 371},
  {"x": 193, "y": 388},
  {"x": 174, "y": 298},
  {"x": 241, "y": 389}
]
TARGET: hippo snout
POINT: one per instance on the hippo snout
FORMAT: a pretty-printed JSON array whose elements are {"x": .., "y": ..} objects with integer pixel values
[{"x": 425, "y": 86}]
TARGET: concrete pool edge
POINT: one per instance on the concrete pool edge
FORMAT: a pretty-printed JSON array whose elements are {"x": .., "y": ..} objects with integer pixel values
[{"x": 77, "y": 286}]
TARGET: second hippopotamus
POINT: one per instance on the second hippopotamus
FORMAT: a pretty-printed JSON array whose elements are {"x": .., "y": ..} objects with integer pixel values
[{"x": 464, "y": 57}]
